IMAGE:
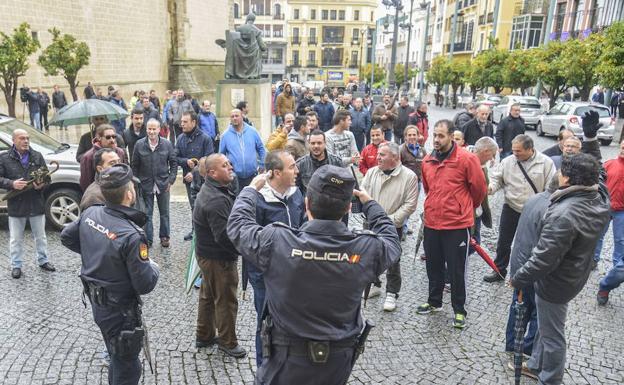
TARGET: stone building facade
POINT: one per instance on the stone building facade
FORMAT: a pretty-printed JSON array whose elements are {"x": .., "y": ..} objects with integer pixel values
[{"x": 160, "y": 44}]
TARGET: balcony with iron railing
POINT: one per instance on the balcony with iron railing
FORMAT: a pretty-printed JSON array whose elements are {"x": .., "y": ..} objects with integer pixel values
[
  {"x": 332, "y": 63},
  {"x": 272, "y": 61},
  {"x": 295, "y": 64},
  {"x": 333, "y": 40},
  {"x": 311, "y": 63},
  {"x": 278, "y": 16},
  {"x": 486, "y": 19},
  {"x": 295, "y": 40},
  {"x": 278, "y": 33},
  {"x": 312, "y": 40}
]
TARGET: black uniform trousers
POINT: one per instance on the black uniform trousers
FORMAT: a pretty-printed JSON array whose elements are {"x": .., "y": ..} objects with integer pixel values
[
  {"x": 124, "y": 369},
  {"x": 283, "y": 368},
  {"x": 450, "y": 247},
  {"x": 506, "y": 232}
]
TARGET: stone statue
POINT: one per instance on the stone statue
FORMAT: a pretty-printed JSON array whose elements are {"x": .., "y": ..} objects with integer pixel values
[{"x": 243, "y": 51}]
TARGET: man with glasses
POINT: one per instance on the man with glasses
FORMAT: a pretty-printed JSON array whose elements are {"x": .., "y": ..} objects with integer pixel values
[{"x": 105, "y": 137}]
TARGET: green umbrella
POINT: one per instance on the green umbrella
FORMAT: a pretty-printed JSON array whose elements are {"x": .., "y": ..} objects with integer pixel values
[
  {"x": 81, "y": 112},
  {"x": 192, "y": 268}
]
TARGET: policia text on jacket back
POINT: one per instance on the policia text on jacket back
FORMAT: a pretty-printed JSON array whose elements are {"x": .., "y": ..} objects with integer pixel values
[
  {"x": 314, "y": 278},
  {"x": 116, "y": 269}
]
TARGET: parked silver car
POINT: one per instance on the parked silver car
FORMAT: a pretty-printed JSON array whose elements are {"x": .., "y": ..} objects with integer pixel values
[
  {"x": 530, "y": 109},
  {"x": 570, "y": 115},
  {"x": 62, "y": 196}
]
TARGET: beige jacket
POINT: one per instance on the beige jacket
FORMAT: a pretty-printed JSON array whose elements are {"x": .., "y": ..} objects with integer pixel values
[
  {"x": 397, "y": 193},
  {"x": 508, "y": 176}
]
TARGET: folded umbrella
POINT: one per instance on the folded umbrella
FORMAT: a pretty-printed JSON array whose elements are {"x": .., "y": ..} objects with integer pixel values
[
  {"x": 484, "y": 255},
  {"x": 192, "y": 268},
  {"x": 519, "y": 330},
  {"x": 244, "y": 278}
]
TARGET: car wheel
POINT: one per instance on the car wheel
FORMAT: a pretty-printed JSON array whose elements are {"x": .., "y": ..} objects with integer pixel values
[
  {"x": 605, "y": 142},
  {"x": 539, "y": 130},
  {"x": 62, "y": 207}
]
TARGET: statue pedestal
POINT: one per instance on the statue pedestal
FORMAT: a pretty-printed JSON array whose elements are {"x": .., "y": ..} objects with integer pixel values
[{"x": 257, "y": 94}]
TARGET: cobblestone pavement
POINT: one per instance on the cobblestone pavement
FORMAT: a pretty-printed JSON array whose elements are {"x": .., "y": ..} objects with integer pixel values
[{"x": 48, "y": 337}]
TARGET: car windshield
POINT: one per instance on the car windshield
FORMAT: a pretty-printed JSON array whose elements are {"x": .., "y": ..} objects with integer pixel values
[
  {"x": 529, "y": 104},
  {"x": 602, "y": 112},
  {"x": 38, "y": 141}
]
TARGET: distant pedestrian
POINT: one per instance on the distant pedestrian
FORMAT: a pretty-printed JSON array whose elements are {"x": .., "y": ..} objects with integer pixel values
[
  {"x": 557, "y": 149},
  {"x": 149, "y": 111},
  {"x": 420, "y": 119},
  {"x": 177, "y": 108},
  {"x": 325, "y": 111},
  {"x": 105, "y": 137},
  {"x": 88, "y": 92},
  {"x": 119, "y": 124},
  {"x": 58, "y": 99},
  {"x": 478, "y": 127},
  {"x": 404, "y": 110},
  {"x": 412, "y": 152},
  {"x": 360, "y": 123},
  {"x": 508, "y": 128},
  {"x": 243, "y": 106},
  {"x": 465, "y": 116},
  {"x": 385, "y": 114},
  {"x": 135, "y": 132},
  {"x": 242, "y": 145},
  {"x": 32, "y": 99},
  {"x": 44, "y": 107},
  {"x": 208, "y": 122},
  {"x": 277, "y": 139},
  {"x": 296, "y": 143},
  {"x": 598, "y": 96},
  {"x": 286, "y": 101},
  {"x": 306, "y": 104},
  {"x": 153, "y": 98}
]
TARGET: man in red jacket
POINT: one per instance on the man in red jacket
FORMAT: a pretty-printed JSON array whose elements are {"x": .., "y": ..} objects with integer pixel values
[
  {"x": 368, "y": 157},
  {"x": 420, "y": 119},
  {"x": 615, "y": 184},
  {"x": 455, "y": 187}
]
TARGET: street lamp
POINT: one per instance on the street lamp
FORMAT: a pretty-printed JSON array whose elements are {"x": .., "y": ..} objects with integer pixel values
[
  {"x": 409, "y": 27},
  {"x": 397, "y": 4},
  {"x": 426, "y": 6}
]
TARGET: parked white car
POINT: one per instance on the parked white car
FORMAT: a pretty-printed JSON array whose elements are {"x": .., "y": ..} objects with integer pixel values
[
  {"x": 570, "y": 115},
  {"x": 530, "y": 109},
  {"x": 62, "y": 196}
]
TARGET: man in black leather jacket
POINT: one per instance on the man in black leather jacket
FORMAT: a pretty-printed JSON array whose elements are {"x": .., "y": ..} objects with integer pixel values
[{"x": 563, "y": 258}]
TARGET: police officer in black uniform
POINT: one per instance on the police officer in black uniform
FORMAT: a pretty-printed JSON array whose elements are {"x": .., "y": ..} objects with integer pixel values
[
  {"x": 116, "y": 270},
  {"x": 314, "y": 276}
]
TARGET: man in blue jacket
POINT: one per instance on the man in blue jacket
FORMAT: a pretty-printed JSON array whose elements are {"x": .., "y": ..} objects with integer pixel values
[
  {"x": 208, "y": 122},
  {"x": 243, "y": 147},
  {"x": 325, "y": 111},
  {"x": 191, "y": 145},
  {"x": 279, "y": 200}
]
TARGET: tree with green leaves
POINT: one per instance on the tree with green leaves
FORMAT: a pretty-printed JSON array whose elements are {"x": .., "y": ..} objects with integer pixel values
[
  {"x": 492, "y": 64},
  {"x": 611, "y": 68},
  {"x": 457, "y": 71},
  {"x": 551, "y": 71},
  {"x": 399, "y": 73},
  {"x": 65, "y": 56},
  {"x": 14, "y": 52},
  {"x": 366, "y": 72},
  {"x": 580, "y": 59},
  {"x": 438, "y": 75},
  {"x": 519, "y": 71},
  {"x": 475, "y": 75}
]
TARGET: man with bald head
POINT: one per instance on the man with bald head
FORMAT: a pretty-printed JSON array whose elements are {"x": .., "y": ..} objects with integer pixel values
[
  {"x": 217, "y": 258},
  {"x": 243, "y": 147},
  {"x": 478, "y": 127},
  {"x": 16, "y": 167}
]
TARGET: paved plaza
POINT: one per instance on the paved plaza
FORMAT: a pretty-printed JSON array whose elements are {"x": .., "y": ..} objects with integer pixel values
[{"x": 47, "y": 336}]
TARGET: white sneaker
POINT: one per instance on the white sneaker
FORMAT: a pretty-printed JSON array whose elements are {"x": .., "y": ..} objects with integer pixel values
[
  {"x": 390, "y": 303},
  {"x": 374, "y": 292}
]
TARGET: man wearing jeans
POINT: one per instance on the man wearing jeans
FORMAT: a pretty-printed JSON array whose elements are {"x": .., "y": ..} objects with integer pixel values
[
  {"x": 615, "y": 184},
  {"x": 155, "y": 164},
  {"x": 16, "y": 168}
]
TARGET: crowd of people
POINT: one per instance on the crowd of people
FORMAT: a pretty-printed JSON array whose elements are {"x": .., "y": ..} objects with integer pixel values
[{"x": 284, "y": 205}]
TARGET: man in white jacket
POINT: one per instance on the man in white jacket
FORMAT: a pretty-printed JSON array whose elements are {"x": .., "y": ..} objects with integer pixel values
[
  {"x": 395, "y": 188},
  {"x": 521, "y": 176}
]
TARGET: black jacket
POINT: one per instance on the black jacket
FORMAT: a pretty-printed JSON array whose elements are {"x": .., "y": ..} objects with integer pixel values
[
  {"x": 130, "y": 138},
  {"x": 44, "y": 101},
  {"x": 29, "y": 203},
  {"x": 562, "y": 260},
  {"x": 194, "y": 145},
  {"x": 553, "y": 150},
  {"x": 150, "y": 113},
  {"x": 210, "y": 215},
  {"x": 86, "y": 143},
  {"x": 307, "y": 165},
  {"x": 159, "y": 166},
  {"x": 58, "y": 99},
  {"x": 305, "y": 102},
  {"x": 507, "y": 129},
  {"x": 402, "y": 119},
  {"x": 114, "y": 251},
  {"x": 462, "y": 118},
  {"x": 472, "y": 132}
]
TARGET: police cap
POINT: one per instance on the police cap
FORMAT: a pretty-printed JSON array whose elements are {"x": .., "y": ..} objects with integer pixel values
[
  {"x": 115, "y": 176},
  {"x": 333, "y": 180}
]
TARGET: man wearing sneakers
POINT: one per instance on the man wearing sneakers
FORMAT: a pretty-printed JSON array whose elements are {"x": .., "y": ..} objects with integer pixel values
[
  {"x": 395, "y": 188},
  {"x": 455, "y": 186}
]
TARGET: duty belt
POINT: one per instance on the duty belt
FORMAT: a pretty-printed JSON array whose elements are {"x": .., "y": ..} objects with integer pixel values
[{"x": 302, "y": 347}]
